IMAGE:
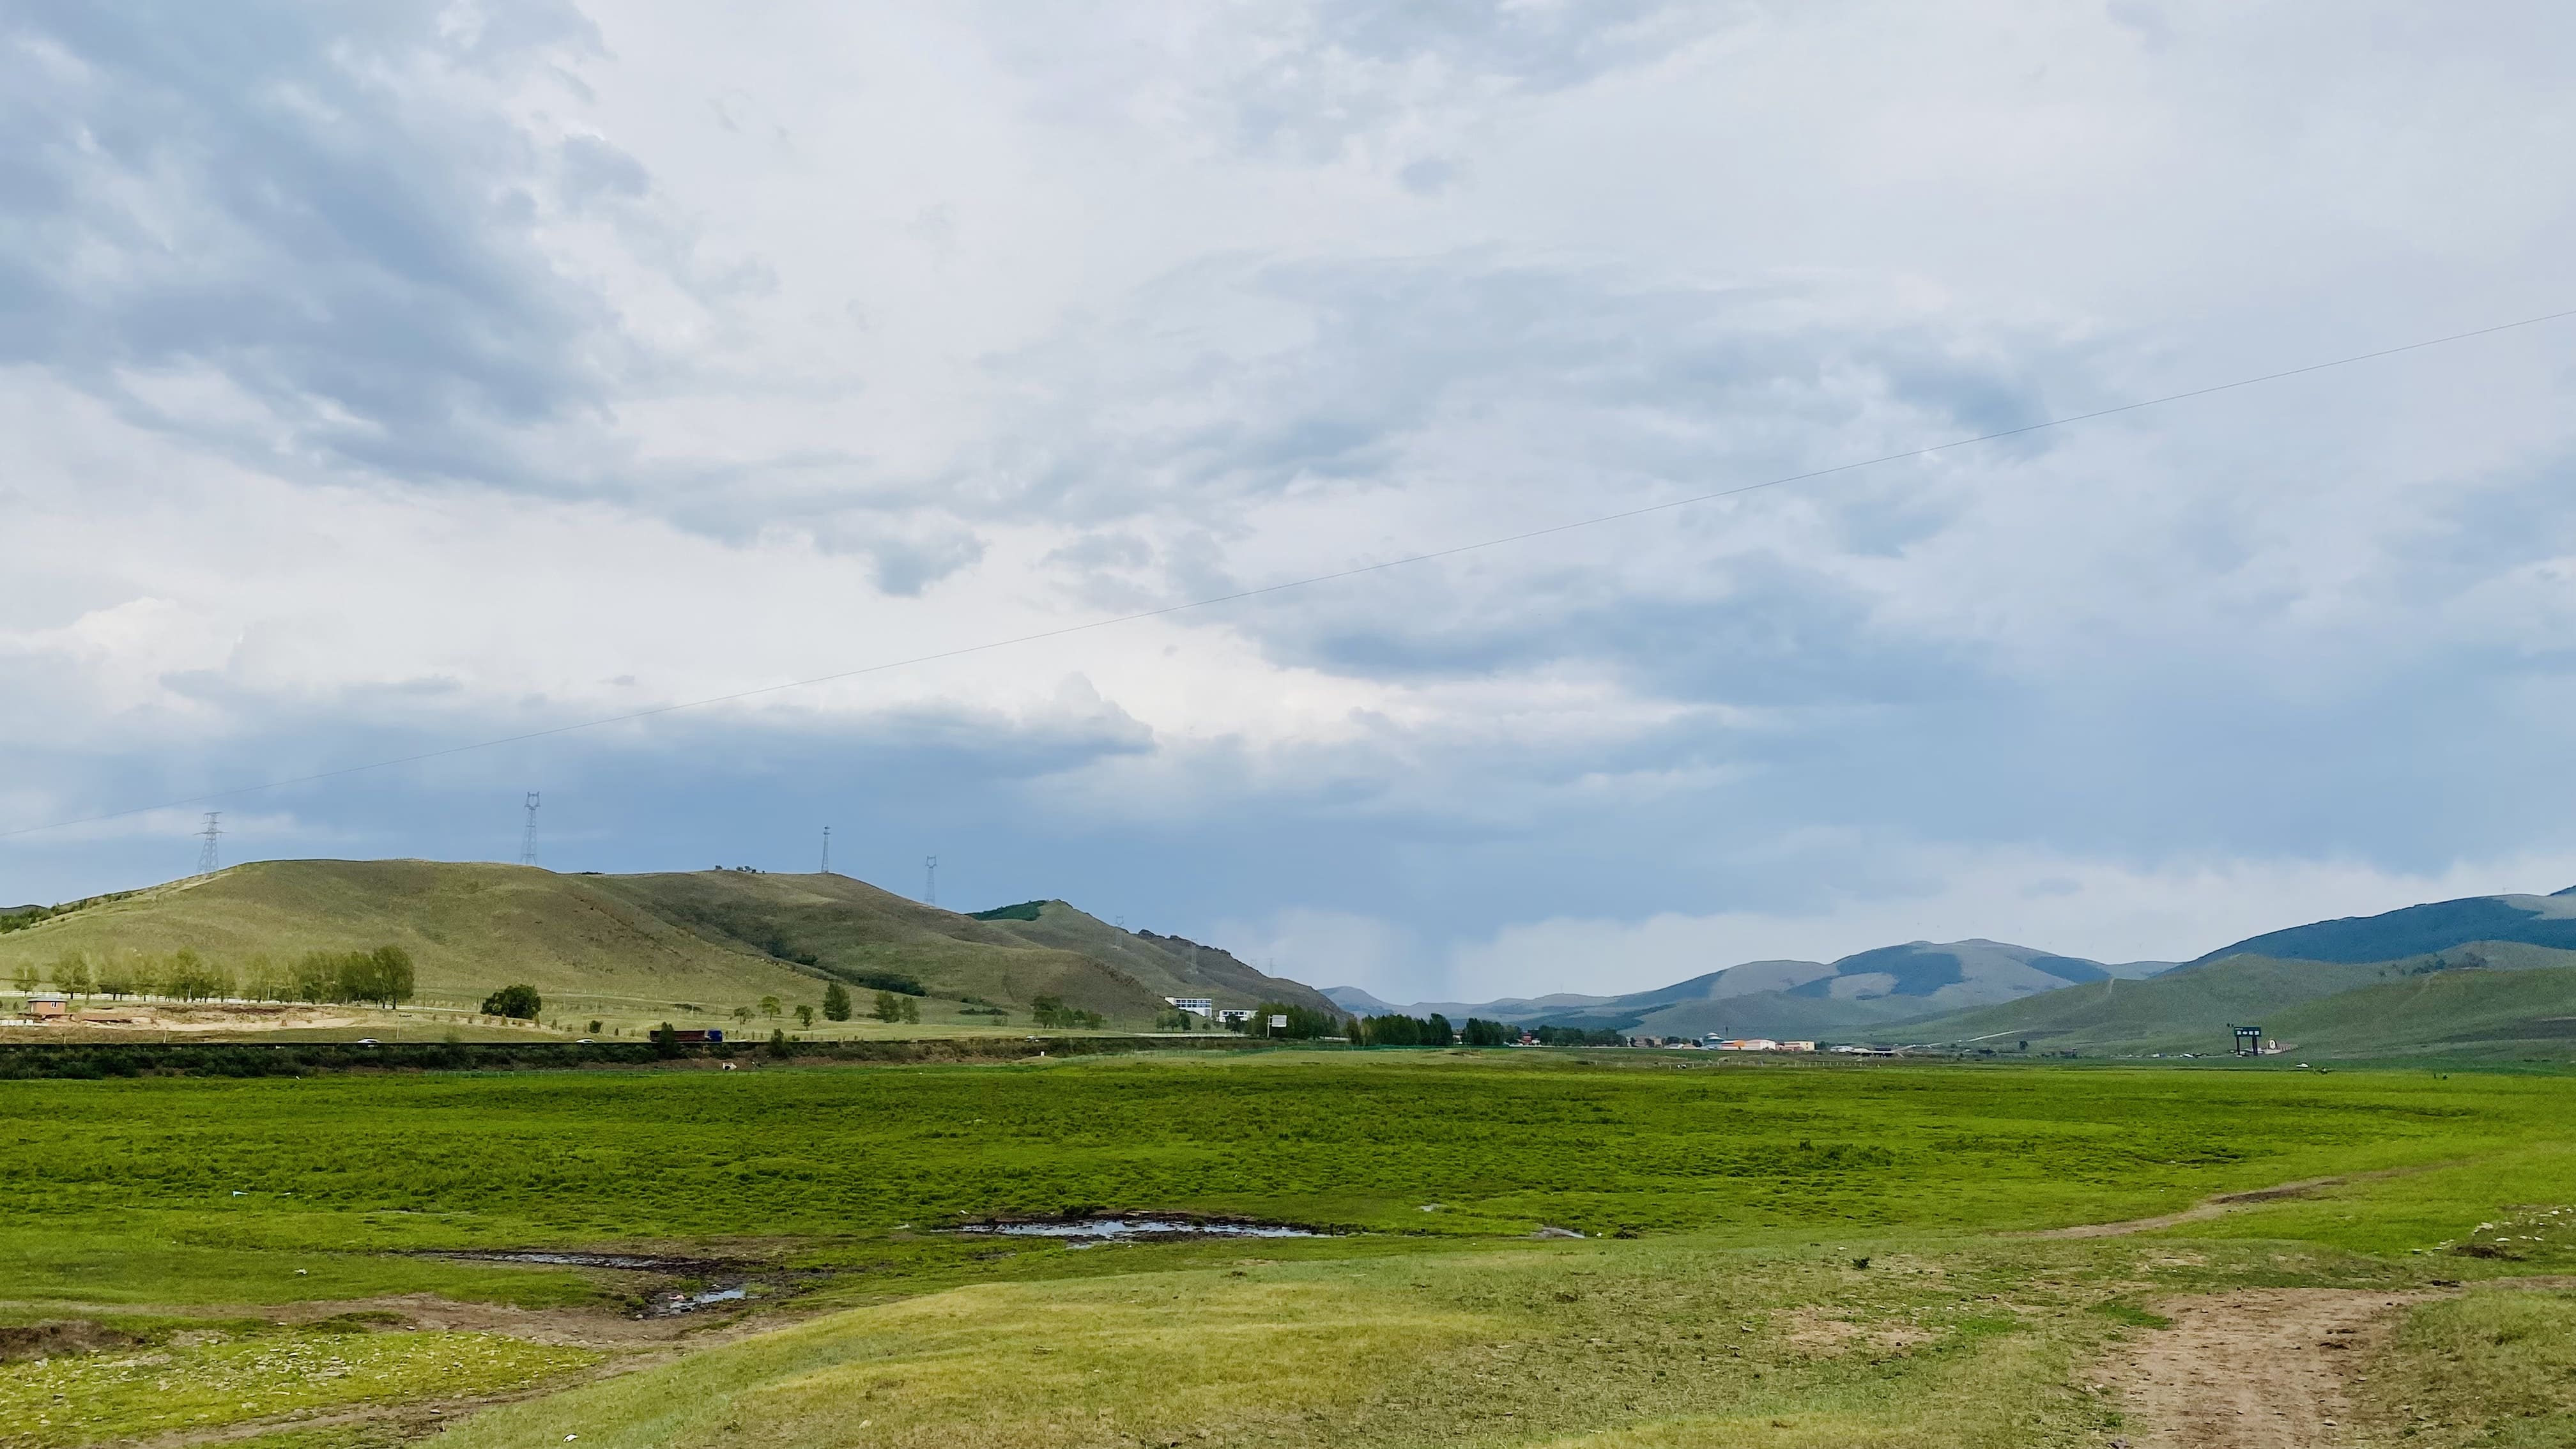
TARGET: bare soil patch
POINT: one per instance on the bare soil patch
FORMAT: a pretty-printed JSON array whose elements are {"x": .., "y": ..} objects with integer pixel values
[
  {"x": 2219, "y": 1206},
  {"x": 2264, "y": 1368}
]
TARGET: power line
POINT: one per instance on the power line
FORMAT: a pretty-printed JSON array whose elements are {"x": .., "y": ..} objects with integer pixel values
[{"x": 1312, "y": 580}]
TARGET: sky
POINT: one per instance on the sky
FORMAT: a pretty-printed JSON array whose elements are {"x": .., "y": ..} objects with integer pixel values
[{"x": 382, "y": 379}]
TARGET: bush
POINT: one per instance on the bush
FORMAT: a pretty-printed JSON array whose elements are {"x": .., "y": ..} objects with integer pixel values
[
  {"x": 836, "y": 1002},
  {"x": 518, "y": 1002},
  {"x": 1050, "y": 1011}
]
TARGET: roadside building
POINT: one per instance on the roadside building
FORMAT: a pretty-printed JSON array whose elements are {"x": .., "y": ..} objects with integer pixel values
[
  {"x": 1794, "y": 1046},
  {"x": 48, "y": 1008},
  {"x": 1194, "y": 1005}
]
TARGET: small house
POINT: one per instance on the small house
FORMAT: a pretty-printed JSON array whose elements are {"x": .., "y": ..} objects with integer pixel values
[{"x": 48, "y": 1008}]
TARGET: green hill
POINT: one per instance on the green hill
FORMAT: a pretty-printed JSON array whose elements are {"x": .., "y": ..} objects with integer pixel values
[
  {"x": 1165, "y": 965},
  {"x": 2546, "y": 921},
  {"x": 2478, "y": 999},
  {"x": 715, "y": 937}
]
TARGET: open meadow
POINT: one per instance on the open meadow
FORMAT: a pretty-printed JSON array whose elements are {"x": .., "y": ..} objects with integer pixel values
[{"x": 1771, "y": 1252}]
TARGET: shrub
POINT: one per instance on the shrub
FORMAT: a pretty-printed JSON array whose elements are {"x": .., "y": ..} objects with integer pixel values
[{"x": 518, "y": 1002}]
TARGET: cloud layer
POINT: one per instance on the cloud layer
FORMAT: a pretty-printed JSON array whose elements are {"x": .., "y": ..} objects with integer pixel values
[{"x": 381, "y": 382}]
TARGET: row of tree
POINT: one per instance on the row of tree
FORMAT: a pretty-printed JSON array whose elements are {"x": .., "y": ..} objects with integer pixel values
[
  {"x": 383, "y": 976},
  {"x": 1302, "y": 1023}
]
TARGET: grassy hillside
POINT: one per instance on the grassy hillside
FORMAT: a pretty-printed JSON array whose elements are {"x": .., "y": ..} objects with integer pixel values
[
  {"x": 871, "y": 937},
  {"x": 712, "y": 937},
  {"x": 2186, "y": 1010},
  {"x": 2548, "y": 921},
  {"x": 1165, "y": 965},
  {"x": 2476, "y": 1013},
  {"x": 2479, "y": 998}
]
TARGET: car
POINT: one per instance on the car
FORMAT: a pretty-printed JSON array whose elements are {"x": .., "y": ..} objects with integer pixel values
[{"x": 368, "y": 1041}]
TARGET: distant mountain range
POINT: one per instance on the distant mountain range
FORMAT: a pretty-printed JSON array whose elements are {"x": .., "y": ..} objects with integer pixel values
[
  {"x": 1800, "y": 998},
  {"x": 2480, "y": 975}
]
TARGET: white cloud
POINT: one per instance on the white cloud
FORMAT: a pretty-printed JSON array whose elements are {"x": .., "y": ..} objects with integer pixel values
[{"x": 440, "y": 373}]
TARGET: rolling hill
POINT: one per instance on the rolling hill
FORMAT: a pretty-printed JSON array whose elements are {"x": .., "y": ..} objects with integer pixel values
[
  {"x": 2477, "y": 1000},
  {"x": 2421, "y": 930},
  {"x": 1854, "y": 995},
  {"x": 716, "y": 937},
  {"x": 1164, "y": 965}
]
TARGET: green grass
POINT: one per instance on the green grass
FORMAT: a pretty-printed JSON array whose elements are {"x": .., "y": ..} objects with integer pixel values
[
  {"x": 1822, "y": 1253},
  {"x": 212, "y": 1378},
  {"x": 2494, "y": 1368},
  {"x": 1499, "y": 1144}
]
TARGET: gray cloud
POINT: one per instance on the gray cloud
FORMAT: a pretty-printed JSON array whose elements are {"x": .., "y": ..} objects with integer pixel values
[{"x": 318, "y": 207}]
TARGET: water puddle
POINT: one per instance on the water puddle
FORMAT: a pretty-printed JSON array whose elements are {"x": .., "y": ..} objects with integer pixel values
[
  {"x": 1092, "y": 1232},
  {"x": 663, "y": 1305}
]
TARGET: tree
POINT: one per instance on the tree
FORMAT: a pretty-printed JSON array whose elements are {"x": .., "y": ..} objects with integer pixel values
[
  {"x": 769, "y": 1007},
  {"x": 519, "y": 1002},
  {"x": 666, "y": 1041},
  {"x": 24, "y": 977},
  {"x": 836, "y": 1002},
  {"x": 1483, "y": 1033},
  {"x": 777, "y": 1042},
  {"x": 911, "y": 1011},
  {"x": 71, "y": 973},
  {"x": 804, "y": 1016},
  {"x": 888, "y": 1007},
  {"x": 742, "y": 1014}
]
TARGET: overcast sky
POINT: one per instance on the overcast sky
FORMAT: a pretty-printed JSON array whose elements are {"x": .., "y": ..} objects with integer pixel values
[{"x": 381, "y": 378}]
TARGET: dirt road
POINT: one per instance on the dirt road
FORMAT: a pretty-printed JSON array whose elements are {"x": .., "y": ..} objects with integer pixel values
[{"x": 2261, "y": 1369}]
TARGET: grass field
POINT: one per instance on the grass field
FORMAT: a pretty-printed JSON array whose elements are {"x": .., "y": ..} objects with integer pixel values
[{"x": 1775, "y": 1253}]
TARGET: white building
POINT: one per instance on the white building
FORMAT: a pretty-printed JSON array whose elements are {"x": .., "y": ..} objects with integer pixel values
[{"x": 1195, "y": 1005}]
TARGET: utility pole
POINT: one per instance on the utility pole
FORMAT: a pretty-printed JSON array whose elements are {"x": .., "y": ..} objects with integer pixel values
[
  {"x": 528, "y": 842},
  {"x": 213, "y": 832},
  {"x": 827, "y": 850},
  {"x": 930, "y": 879}
]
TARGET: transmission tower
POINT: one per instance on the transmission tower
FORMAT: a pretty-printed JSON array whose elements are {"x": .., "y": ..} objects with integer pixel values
[
  {"x": 528, "y": 841},
  {"x": 930, "y": 879},
  {"x": 827, "y": 850},
  {"x": 213, "y": 832}
]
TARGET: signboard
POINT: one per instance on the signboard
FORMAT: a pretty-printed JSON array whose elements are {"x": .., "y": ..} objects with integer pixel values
[{"x": 1278, "y": 1023}]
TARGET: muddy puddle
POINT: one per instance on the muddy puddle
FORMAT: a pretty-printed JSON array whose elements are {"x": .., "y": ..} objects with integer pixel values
[
  {"x": 1092, "y": 1232},
  {"x": 625, "y": 1262}
]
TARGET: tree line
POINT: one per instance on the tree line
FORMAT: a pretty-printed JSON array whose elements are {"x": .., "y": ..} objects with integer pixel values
[{"x": 382, "y": 977}]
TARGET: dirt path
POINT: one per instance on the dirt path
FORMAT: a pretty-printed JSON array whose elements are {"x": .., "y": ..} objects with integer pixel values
[
  {"x": 2265, "y": 1368},
  {"x": 2219, "y": 1206}
]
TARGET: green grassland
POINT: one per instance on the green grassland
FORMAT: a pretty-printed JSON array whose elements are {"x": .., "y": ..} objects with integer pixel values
[{"x": 1789, "y": 1253}]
